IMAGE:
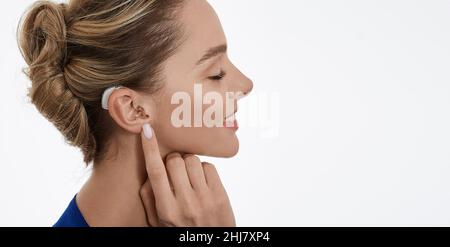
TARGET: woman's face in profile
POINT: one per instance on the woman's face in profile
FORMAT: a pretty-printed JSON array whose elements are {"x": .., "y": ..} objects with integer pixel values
[{"x": 201, "y": 89}]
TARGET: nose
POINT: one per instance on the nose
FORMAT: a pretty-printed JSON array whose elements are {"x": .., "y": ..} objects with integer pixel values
[
  {"x": 243, "y": 83},
  {"x": 248, "y": 86}
]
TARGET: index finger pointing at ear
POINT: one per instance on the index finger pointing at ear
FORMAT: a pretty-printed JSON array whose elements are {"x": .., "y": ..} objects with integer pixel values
[{"x": 156, "y": 170}]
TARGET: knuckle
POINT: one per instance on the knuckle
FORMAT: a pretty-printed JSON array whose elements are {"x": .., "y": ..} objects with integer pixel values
[
  {"x": 191, "y": 159},
  {"x": 143, "y": 193},
  {"x": 190, "y": 208},
  {"x": 208, "y": 165},
  {"x": 157, "y": 172},
  {"x": 210, "y": 169},
  {"x": 144, "y": 190},
  {"x": 191, "y": 213},
  {"x": 173, "y": 158},
  {"x": 167, "y": 216}
]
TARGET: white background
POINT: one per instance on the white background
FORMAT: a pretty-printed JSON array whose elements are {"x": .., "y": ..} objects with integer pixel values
[{"x": 364, "y": 118}]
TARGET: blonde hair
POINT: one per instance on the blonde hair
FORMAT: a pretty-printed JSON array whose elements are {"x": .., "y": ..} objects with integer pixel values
[{"x": 75, "y": 51}]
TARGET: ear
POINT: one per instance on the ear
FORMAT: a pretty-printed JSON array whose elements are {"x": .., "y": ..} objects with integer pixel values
[{"x": 130, "y": 110}]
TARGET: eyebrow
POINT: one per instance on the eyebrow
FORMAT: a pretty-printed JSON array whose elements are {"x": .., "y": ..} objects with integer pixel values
[{"x": 212, "y": 52}]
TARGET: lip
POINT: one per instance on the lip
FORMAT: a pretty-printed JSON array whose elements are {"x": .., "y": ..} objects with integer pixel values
[{"x": 231, "y": 123}]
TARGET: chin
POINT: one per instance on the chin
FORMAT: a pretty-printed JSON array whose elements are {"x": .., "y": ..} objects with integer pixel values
[
  {"x": 228, "y": 150},
  {"x": 229, "y": 153}
]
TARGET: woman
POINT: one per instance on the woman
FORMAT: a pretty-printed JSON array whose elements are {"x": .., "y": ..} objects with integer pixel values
[{"x": 145, "y": 172}]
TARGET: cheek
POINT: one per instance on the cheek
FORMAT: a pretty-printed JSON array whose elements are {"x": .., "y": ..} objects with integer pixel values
[{"x": 208, "y": 141}]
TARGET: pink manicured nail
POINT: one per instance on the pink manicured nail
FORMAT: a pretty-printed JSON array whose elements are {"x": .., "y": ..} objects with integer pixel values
[{"x": 148, "y": 133}]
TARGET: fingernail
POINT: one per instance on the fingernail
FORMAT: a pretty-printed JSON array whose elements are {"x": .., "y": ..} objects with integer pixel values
[{"x": 148, "y": 133}]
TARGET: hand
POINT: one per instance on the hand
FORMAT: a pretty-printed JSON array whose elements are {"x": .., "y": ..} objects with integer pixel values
[{"x": 184, "y": 192}]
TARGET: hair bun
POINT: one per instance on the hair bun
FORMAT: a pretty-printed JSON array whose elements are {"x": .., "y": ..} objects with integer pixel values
[
  {"x": 42, "y": 40},
  {"x": 43, "y": 34}
]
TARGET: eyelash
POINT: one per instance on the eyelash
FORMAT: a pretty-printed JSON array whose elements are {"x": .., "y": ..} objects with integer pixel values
[{"x": 218, "y": 77}]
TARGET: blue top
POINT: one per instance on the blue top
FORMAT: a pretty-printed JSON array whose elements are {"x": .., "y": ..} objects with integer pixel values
[{"x": 72, "y": 216}]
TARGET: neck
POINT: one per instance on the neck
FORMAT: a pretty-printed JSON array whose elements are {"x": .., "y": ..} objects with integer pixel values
[{"x": 111, "y": 195}]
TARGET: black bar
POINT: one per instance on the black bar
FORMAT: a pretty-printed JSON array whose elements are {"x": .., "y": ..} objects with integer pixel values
[{"x": 230, "y": 237}]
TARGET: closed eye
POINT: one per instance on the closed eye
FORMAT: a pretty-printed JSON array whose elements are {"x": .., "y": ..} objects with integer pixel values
[{"x": 218, "y": 77}]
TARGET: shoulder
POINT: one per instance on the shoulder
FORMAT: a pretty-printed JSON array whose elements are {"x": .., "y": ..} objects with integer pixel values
[{"x": 72, "y": 216}]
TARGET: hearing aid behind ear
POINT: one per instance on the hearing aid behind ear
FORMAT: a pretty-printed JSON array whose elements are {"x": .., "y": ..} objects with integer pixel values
[{"x": 106, "y": 94}]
